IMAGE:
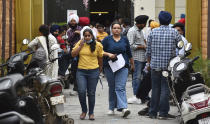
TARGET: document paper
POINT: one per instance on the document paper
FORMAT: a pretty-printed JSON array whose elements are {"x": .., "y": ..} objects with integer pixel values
[{"x": 118, "y": 64}]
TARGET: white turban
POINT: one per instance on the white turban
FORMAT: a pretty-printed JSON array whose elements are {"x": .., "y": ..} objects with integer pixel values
[
  {"x": 87, "y": 27},
  {"x": 73, "y": 16}
]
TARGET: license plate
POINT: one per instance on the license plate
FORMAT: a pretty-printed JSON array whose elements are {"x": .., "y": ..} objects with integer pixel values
[
  {"x": 57, "y": 100},
  {"x": 204, "y": 121}
]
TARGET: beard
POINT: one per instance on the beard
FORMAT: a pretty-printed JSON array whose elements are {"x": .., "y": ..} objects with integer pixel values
[{"x": 72, "y": 26}]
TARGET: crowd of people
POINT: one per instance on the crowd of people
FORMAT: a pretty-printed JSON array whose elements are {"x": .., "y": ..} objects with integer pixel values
[{"x": 90, "y": 49}]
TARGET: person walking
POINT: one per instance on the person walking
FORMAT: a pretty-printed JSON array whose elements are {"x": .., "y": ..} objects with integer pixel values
[
  {"x": 64, "y": 59},
  {"x": 90, "y": 53},
  {"x": 101, "y": 33},
  {"x": 117, "y": 44},
  {"x": 161, "y": 47},
  {"x": 126, "y": 26},
  {"x": 138, "y": 47},
  {"x": 43, "y": 52},
  {"x": 73, "y": 34}
]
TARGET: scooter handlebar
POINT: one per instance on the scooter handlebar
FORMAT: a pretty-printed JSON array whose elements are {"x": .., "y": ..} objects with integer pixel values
[{"x": 193, "y": 60}]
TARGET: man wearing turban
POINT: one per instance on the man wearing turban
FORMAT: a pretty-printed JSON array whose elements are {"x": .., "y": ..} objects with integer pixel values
[
  {"x": 161, "y": 47},
  {"x": 138, "y": 47},
  {"x": 73, "y": 34}
]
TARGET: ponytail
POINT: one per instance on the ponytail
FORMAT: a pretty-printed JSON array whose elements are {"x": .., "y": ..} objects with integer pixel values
[{"x": 44, "y": 29}]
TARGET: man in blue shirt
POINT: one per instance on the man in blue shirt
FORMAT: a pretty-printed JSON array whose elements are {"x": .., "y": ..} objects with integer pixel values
[{"x": 161, "y": 47}]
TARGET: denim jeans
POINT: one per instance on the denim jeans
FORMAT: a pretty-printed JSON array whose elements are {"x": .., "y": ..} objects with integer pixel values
[
  {"x": 87, "y": 81},
  {"x": 64, "y": 63},
  {"x": 139, "y": 66},
  {"x": 117, "y": 92},
  {"x": 160, "y": 94}
]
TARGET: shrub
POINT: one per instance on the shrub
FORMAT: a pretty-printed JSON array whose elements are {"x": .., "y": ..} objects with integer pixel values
[{"x": 203, "y": 66}]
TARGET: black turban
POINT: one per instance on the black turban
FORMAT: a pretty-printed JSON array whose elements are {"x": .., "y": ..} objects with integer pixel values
[{"x": 142, "y": 19}]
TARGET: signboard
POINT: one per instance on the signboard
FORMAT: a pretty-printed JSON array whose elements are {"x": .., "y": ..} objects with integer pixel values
[{"x": 70, "y": 12}]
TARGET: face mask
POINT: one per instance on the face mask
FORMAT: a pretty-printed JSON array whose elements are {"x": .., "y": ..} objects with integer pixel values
[{"x": 89, "y": 41}]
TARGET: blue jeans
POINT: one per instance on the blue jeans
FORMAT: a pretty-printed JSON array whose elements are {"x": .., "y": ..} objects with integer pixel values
[
  {"x": 139, "y": 66},
  {"x": 87, "y": 81},
  {"x": 160, "y": 94},
  {"x": 117, "y": 92},
  {"x": 64, "y": 63}
]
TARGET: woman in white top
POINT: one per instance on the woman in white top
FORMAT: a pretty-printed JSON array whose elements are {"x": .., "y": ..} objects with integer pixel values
[{"x": 43, "y": 52}]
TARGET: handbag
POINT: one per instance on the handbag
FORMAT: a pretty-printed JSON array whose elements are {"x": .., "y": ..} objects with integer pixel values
[{"x": 40, "y": 53}]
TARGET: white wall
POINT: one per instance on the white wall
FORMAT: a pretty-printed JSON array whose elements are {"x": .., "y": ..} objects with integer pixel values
[
  {"x": 152, "y": 8},
  {"x": 144, "y": 7},
  {"x": 180, "y": 7},
  {"x": 159, "y": 6}
]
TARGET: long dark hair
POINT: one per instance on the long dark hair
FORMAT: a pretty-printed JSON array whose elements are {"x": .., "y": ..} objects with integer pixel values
[
  {"x": 93, "y": 43},
  {"x": 44, "y": 29}
]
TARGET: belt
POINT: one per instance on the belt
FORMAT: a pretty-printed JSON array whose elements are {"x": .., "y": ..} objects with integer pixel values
[{"x": 158, "y": 69}]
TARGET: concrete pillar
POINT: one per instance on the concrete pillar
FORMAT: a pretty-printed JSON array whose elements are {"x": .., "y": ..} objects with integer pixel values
[
  {"x": 170, "y": 7},
  {"x": 204, "y": 28},
  {"x": 193, "y": 23}
]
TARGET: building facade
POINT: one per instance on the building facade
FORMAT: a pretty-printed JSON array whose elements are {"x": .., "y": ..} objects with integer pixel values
[{"x": 19, "y": 22}]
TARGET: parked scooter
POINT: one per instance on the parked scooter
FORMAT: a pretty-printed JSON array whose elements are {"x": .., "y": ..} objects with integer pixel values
[{"x": 188, "y": 90}]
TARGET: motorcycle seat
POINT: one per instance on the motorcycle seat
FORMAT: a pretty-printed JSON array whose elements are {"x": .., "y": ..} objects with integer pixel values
[{"x": 195, "y": 91}]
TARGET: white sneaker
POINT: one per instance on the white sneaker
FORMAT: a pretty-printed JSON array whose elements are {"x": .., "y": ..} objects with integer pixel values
[
  {"x": 125, "y": 113},
  {"x": 110, "y": 112},
  {"x": 134, "y": 100}
]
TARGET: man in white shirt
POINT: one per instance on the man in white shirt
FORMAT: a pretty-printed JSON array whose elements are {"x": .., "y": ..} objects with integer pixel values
[{"x": 181, "y": 29}]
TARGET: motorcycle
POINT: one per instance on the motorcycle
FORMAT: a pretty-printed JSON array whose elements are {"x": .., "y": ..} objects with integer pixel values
[
  {"x": 188, "y": 90},
  {"x": 14, "y": 118},
  {"x": 11, "y": 88},
  {"x": 48, "y": 93},
  {"x": 39, "y": 98}
]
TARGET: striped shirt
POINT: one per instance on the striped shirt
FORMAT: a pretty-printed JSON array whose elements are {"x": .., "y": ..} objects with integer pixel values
[
  {"x": 161, "y": 46},
  {"x": 136, "y": 37}
]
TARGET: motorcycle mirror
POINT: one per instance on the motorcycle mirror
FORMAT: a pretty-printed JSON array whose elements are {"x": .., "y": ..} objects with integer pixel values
[
  {"x": 180, "y": 44},
  {"x": 165, "y": 74},
  {"x": 25, "y": 41},
  {"x": 55, "y": 47},
  {"x": 188, "y": 47}
]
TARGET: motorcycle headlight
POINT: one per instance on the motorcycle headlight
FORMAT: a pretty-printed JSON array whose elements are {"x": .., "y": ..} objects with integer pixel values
[
  {"x": 165, "y": 74},
  {"x": 180, "y": 67},
  {"x": 174, "y": 61}
]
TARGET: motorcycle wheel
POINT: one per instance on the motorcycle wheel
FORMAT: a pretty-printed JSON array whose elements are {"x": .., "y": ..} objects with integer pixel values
[
  {"x": 53, "y": 119},
  {"x": 58, "y": 120},
  {"x": 68, "y": 121}
]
